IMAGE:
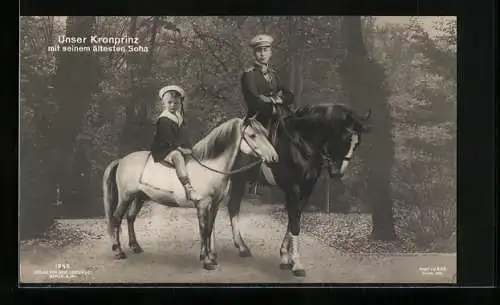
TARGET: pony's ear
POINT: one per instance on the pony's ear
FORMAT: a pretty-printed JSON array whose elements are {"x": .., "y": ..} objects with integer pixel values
[{"x": 247, "y": 118}]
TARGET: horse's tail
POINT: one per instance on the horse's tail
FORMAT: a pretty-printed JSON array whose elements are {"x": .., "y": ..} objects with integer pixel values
[{"x": 110, "y": 193}]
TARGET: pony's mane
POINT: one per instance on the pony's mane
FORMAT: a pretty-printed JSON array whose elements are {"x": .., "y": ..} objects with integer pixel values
[{"x": 217, "y": 140}]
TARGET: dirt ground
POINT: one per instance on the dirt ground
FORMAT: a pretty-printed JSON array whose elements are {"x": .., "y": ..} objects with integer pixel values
[{"x": 82, "y": 254}]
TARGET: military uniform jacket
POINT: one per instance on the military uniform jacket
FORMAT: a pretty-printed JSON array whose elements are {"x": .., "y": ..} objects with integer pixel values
[
  {"x": 170, "y": 134},
  {"x": 257, "y": 91}
]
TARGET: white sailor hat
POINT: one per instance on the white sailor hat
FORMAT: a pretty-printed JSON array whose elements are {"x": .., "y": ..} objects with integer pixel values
[
  {"x": 261, "y": 40},
  {"x": 171, "y": 88}
]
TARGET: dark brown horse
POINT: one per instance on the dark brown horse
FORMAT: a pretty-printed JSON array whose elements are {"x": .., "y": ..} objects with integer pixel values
[{"x": 303, "y": 137}]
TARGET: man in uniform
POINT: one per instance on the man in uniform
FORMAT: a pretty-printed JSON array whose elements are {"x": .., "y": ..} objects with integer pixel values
[
  {"x": 264, "y": 94},
  {"x": 263, "y": 91}
]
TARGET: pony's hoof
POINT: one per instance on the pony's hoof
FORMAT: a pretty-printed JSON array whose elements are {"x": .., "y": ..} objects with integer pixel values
[
  {"x": 209, "y": 266},
  {"x": 299, "y": 273},
  {"x": 284, "y": 266},
  {"x": 246, "y": 253},
  {"x": 120, "y": 255}
]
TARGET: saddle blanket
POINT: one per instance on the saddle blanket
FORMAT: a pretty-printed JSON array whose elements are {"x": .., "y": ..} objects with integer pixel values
[{"x": 160, "y": 182}]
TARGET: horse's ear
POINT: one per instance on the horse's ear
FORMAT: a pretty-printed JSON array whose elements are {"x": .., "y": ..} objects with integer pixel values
[{"x": 367, "y": 127}]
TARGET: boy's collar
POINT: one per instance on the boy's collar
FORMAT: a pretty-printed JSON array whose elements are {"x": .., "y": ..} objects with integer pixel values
[{"x": 176, "y": 118}]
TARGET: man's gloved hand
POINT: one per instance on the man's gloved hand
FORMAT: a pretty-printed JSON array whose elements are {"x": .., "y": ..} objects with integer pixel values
[{"x": 278, "y": 100}]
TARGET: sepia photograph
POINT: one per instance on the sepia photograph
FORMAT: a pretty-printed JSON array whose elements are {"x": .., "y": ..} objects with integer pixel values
[{"x": 237, "y": 149}]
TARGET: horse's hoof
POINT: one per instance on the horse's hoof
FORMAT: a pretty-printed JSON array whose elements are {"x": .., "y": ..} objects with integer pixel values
[
  {"x": 300, "y": 272},
  {"x": 120, "y": 255},
  {"x": 246, "y": 253},
  {"x": 284, "y": 266},
  {"x": 137, "y": 249},
  {"x": 209, "y": 266}
]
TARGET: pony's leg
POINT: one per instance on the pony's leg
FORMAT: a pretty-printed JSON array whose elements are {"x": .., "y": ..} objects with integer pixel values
[
  {"x": 203, "y": 207},
  {"x": 134, "y": 209},
  {"x": 294, "y": 211},
  {"x": 123, "y": 205},
  {"x": 212, "y": 252},
  {"x": 233, "y": 206},
  {"x": 285, "y": 262},
  {"x": 213, "y": 249}
]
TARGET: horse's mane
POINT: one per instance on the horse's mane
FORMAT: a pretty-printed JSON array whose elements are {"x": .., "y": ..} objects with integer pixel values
[
  {"x": 217, "y": 140},
  {"x": 327, "y": 113}
]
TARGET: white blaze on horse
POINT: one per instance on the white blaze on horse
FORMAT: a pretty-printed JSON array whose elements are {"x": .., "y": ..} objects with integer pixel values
[{"x": 135, "y": 178}]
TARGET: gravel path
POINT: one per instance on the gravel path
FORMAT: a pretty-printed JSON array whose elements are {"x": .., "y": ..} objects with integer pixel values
[{"x": 170, "y": 240}]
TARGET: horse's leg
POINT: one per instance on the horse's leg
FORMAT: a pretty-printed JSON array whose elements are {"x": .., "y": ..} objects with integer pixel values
[
  {"x": 284, "y": 253},
  {"x": 121, "y": 208},
  {"x": 203, "y": 208},
  {"x": 294, "y": 211},
  {"x": 233, "y": 206},
  {"x": 134, "y": 209}
]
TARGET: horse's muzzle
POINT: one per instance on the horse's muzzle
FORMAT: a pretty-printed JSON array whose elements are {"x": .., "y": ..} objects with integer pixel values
[{"x": 271, "y": 159}]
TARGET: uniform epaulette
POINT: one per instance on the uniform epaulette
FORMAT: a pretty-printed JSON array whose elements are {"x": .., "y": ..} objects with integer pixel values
[{"x": 250, "y": 69}]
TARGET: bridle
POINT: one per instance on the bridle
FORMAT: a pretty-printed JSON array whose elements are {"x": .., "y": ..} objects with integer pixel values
[
  {"x": 305, "y": 150},
  {"x": 242, "y": 169}
]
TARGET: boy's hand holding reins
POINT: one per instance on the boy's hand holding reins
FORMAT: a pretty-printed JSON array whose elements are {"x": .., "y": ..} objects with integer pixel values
[{"x": 185, "y": 151}]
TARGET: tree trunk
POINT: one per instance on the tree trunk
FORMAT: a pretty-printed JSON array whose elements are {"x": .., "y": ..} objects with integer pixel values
[
  {"x": 364, "y": 83},
  {"x": 137, "y": 130},
  {"x": 126, "y": 136},
  {"x": 75, "y": 81}
]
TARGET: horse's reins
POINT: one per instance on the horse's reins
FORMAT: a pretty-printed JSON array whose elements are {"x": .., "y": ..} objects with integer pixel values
[{"x": 239, "y": 170}]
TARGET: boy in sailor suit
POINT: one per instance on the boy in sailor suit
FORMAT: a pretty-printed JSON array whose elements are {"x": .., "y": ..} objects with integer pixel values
[{"x": 170, "y": 141}]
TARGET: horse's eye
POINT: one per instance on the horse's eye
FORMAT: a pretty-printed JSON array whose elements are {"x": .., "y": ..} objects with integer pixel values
[{"x": 252, "y": 135}]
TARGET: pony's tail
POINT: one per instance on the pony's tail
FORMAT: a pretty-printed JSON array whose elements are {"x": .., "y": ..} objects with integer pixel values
[{"x": 110, "y": 193}]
